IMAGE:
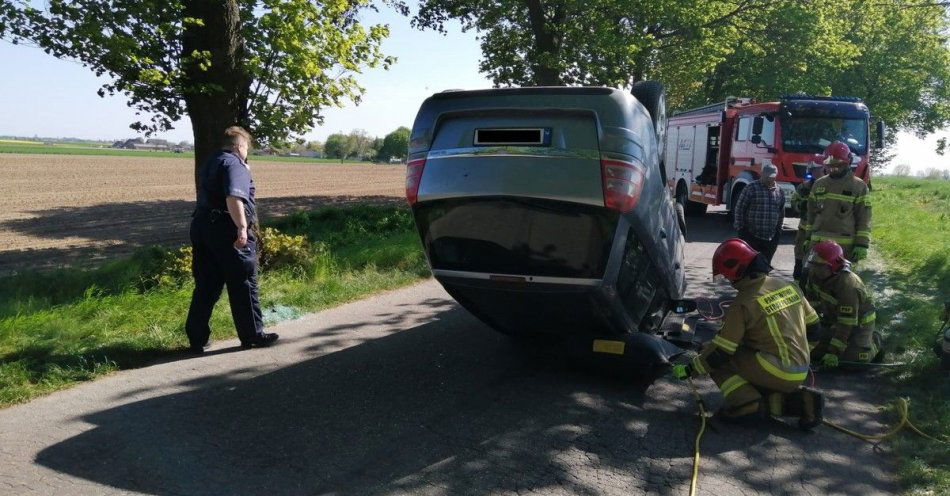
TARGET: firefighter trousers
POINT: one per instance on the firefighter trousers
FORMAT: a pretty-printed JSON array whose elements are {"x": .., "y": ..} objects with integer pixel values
[{"x": 747, "y": 373}]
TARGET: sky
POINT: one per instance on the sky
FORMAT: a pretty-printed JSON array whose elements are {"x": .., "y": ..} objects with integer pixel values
[{"x": 47, "y": 97}]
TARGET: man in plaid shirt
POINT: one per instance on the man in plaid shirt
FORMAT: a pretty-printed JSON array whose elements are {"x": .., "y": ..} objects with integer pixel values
[{"x": 759, "y": 213}]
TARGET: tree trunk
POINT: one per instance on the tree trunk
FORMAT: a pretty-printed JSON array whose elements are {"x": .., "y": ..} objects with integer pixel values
[
  {"x": 217, "y": 97},
  {"x": 545, "y": 47}
]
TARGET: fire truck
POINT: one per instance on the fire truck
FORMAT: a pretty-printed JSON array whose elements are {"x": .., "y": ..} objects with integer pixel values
[{"x": 713, "y": 152}]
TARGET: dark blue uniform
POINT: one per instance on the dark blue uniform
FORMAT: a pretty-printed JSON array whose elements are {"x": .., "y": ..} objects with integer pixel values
[{"x": 215, "y": 261}]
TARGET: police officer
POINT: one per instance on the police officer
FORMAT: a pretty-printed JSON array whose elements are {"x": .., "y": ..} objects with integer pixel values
[
  {"x": 224, "y": 246},
  {"x": 839, "y": 208},
  {"x": 846, "y": 307},
  {"x": 762, "y": 348}
]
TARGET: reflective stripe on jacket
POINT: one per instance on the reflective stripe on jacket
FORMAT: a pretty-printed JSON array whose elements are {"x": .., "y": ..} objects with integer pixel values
[
  {"x": 848, "y": 309},
  {"x": 839, "y": 209},
  {"x": 800, "y": 204},
  {"x": 769, "y": 316}
]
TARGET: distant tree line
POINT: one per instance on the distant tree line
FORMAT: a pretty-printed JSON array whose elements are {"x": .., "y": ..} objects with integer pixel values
[
  {"x": 934, "y": 173},
  {"x": 903, "y": 170},
  {"x": 355, "y": 145}
]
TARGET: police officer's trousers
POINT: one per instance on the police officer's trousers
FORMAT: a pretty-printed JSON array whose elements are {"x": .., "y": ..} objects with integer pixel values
[
  {"x": 747, "y": 370},
  {"x": 216, "y": 263}
]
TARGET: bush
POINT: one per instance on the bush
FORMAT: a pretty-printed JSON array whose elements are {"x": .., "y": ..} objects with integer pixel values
[
  {"x": 162, "y": 267},
  {"x": 282, "y": 250}
]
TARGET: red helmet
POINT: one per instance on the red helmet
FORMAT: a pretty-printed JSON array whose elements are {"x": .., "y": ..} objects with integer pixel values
[
  {"x": 837, "y": 152},
  {"x": 829, "y": 253},
  {"x": 732, "y": 257}
]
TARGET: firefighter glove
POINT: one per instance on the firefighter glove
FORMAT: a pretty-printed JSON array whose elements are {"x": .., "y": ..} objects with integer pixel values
[
  {"x": 829, "y": 360},
  {"x": 681, "y": 371},
  {"x": 859, "y": 253}
]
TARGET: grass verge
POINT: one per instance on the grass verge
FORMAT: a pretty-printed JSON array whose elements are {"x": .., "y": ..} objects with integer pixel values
[
  {"x": 60, "y": 328},
  {"x": 911, "y": 231}
]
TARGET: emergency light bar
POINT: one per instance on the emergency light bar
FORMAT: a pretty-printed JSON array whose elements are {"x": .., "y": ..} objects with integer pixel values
[{"x": 850, "y": 99}]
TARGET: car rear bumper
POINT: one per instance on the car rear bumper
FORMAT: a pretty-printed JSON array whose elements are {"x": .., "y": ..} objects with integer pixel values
[{"x": 584, "y": 317}]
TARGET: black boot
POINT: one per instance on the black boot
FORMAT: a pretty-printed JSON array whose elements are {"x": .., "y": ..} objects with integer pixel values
[
  {"x": 806, "y": 404},
  {"x": 198, "y": 350},
  {"x": 261, "y": 340},
  {"x": 747, "y": 413},
  {"x": 811, "y": 407}
]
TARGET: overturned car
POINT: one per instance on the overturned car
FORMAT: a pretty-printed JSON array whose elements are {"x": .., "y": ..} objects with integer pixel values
[{"x": 544, "y": 211}]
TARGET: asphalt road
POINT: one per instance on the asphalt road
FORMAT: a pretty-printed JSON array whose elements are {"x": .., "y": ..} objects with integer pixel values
[{"x": 406, "y": 393}]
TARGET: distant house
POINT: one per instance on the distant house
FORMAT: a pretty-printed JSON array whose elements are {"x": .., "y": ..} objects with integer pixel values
[{"x": 152, "y": 144}]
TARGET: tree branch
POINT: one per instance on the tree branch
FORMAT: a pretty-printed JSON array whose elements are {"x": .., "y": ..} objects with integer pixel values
[{"x": 743, "y": 7}]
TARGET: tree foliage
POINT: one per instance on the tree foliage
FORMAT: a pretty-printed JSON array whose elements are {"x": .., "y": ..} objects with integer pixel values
[
  {"x": 892, "y": 53},
  {"x": 270, "y": 65},
  {"x": 596, "y": 42},
  {"x": 355, "y": 145},
  {"x": 358, "y": 145},
  {"x": 394, "y": 145},
  {"x": 335, "y": 146}
]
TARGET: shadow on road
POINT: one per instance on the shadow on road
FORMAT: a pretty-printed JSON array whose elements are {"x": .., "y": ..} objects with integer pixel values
[
  {"x": 447, "y": 407},
  {"x": 110, "y": 229}
]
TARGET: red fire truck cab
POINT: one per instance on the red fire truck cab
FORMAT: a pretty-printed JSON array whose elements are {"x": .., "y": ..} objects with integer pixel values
[{"x": 713, "y": 152}]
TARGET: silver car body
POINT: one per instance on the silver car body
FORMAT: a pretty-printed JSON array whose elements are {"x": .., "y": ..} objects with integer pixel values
[{"x": 511, "y": 209}]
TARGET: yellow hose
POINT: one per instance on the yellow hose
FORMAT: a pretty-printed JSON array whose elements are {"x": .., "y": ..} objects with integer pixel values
[
  {"x": 702, "y": 428},
  {"x": 903, "y": 407}
]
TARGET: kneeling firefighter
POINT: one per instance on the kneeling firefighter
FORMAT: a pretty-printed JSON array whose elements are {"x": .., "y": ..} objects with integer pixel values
[
  {"x": 762, "y": 349},
  {"x": 847, "y": 309}
]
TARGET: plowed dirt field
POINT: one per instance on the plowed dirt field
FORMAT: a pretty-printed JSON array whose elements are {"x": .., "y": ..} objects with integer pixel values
[{"x": 58, "y": 210}]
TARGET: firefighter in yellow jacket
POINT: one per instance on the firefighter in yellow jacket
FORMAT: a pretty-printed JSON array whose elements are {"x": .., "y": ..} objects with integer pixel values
[
  {"x": 762, "y": 347},
  {"x": 816, "y": 170},
  {"x": 846, "y": 307},
  {"x": 839, "y": 209}
]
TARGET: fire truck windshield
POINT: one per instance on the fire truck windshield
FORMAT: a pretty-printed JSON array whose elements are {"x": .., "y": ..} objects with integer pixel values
[{"x": 813, "y": 134}]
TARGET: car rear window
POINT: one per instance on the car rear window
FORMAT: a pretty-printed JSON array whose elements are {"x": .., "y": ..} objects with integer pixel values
[{"x": 517, "y": 236}]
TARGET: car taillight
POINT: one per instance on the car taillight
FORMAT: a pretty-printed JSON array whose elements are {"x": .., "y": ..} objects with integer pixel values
[
  {"x": 413, "y": 178},
  {"x": 623, "y": 181}
]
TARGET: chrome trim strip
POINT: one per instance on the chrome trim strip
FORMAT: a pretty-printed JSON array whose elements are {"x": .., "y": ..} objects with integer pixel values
[
  {"x": 513, "y": 151},
  {"x": 535, "y": 279},
  {"x": 593, "y": 201}
]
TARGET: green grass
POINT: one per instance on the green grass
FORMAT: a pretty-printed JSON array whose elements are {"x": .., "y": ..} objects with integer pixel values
[
  {"x": 911, "y": 230},
  {"x": 57, "y": 149},
  {"x": 63, "y": 327},
  {"x": 7, "y": 146}
]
